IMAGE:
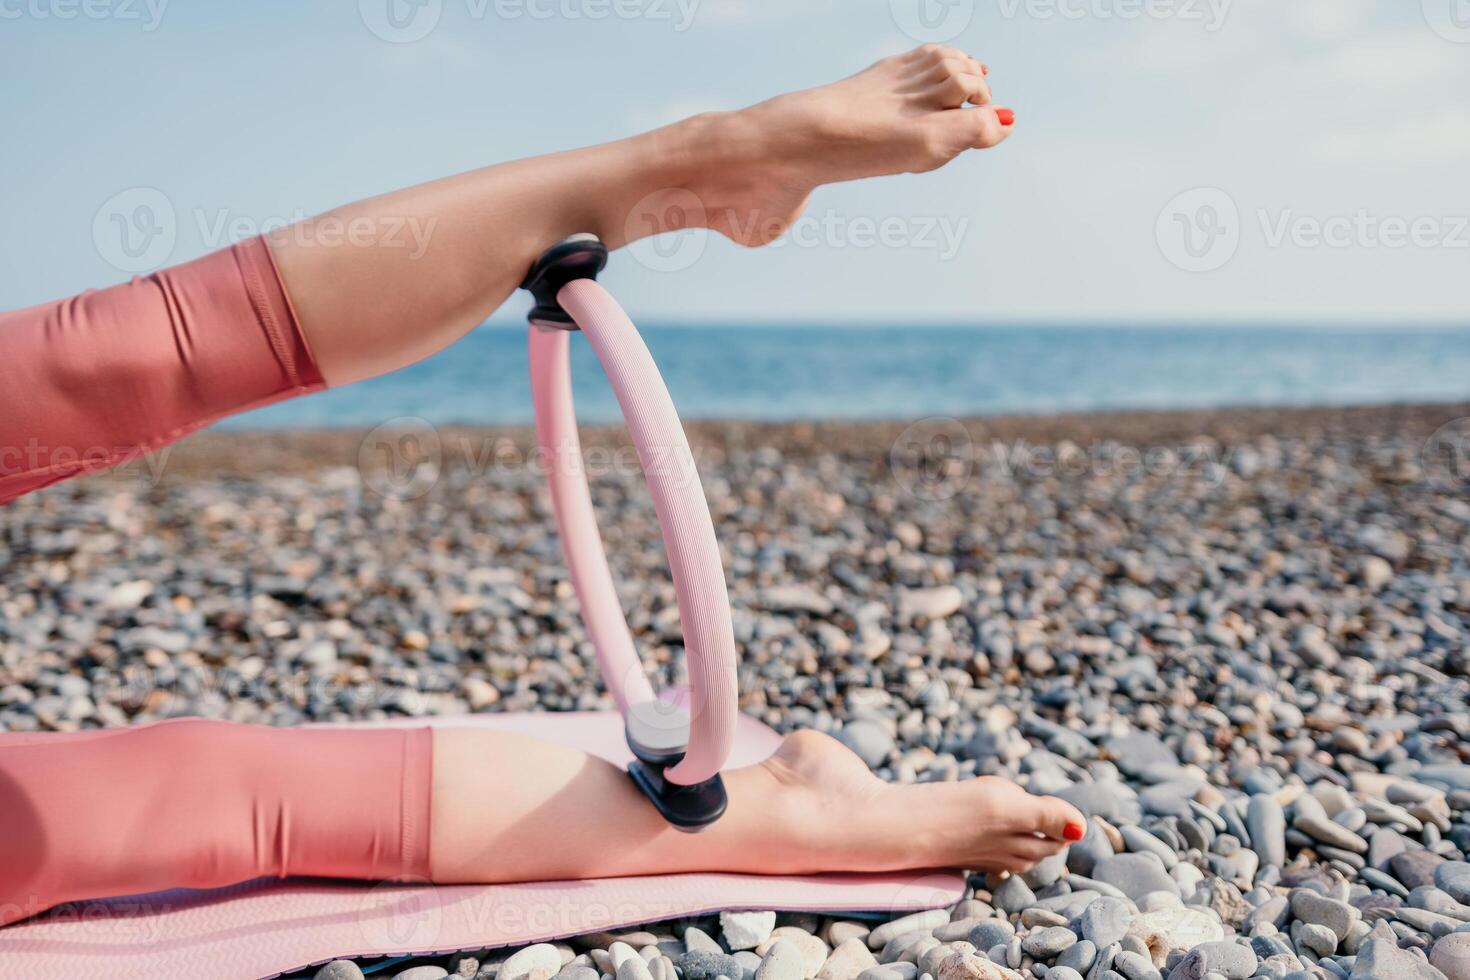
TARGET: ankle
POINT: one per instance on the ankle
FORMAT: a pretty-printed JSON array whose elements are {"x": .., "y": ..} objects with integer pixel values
[{"x": 707, "y": 171}]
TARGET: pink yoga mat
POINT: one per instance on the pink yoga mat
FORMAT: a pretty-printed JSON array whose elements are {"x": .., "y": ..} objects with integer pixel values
[{"x": 268, "y": 927}]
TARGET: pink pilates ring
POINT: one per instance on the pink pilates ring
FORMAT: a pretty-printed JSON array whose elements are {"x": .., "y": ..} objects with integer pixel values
[{"x": 680, "y": 747}]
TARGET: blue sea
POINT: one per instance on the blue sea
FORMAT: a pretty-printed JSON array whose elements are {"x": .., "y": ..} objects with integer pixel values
[{"x": 893, "y": 372}]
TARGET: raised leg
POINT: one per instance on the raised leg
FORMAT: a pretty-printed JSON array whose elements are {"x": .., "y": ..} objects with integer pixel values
[{"x": 746, "y": 174}]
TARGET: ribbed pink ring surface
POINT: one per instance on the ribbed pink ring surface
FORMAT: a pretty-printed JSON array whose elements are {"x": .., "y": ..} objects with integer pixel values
[{"x": 683, "y": 516}]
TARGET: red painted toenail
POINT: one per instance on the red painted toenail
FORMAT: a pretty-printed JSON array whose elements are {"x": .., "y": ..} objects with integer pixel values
[
  {"x": 1073, "y": 831},
  {"x": 1006, "y": 116}
]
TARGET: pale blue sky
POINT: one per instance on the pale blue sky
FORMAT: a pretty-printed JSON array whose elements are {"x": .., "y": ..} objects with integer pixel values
[{"x": 1345, "y": 114}]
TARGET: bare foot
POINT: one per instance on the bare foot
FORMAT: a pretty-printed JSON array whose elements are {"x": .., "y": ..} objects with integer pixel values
[
  {"x": 749, "y": 173},
  {"x": 864, "y": 823}
]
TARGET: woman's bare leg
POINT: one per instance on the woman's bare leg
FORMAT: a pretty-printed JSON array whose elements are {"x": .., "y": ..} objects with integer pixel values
[
  {"x": 196, "y": 803},
  {"x": 747, "y": 174},
  {"x": 550, "y": 812}
]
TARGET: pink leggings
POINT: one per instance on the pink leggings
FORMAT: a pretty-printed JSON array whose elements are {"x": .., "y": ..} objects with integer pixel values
[
  {"x": 100, "y": 379},
  {"x": 193, "y": 803},
  {"x": 104, "y": 377}
]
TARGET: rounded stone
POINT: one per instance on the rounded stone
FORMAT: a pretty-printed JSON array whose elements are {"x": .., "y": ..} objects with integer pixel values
[
  {"x": 1454, "y": 877},
  {"x": 850, "y": 958},
  {"x": 1043, "y": 944},
  {"x": 1078, "y": 956},
  {"x": 1105, "y": 921},
  {"x": 783, "y": 961},
  {"x": 537, "y": 962},
  {"x": 1231, "y": 960},
  {"x": 1451, "y": 955},
  {"x": 700, "y": 964},
  {"x": 992, "y": 932},
  {"x": 339, "y": 970},
  {"x": 923, "y": 922},
  {"x": 1135, "y": 875},
  {"x": 746, "y": 930}
]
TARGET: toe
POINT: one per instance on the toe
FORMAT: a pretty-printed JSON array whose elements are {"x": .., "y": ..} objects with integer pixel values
[
  {"x": 1058, "y": 819},
  {"x": 1020, "y": 853},
  {"x": 956, "y": 89},
  {"x": 1036, "y": 848},
  {"x": 982, "y": 126}
]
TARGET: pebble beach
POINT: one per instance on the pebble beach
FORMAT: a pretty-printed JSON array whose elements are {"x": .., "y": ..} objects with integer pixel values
[{"x": 1239, "y": 640}]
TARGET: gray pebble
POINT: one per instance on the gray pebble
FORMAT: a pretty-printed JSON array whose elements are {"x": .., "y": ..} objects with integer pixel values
[
  {"x": 782, "y": 962},
  {"x": 697, "y": 939},
  {"x": 1308, "y": 906},
  {"x": 1317, "y": 939},
  {"x": 1381, "y": 959},
  {"x": 1012, "y": 895},
  {"x": 339, "y": 970},
  {"x": 891, "y": 971},
  {"x": 1266, "y": 823},
  {"x": 700, "y": 964},
  {"x": 1324, "y": 830},
  {"x": 1451, "y": 956},
  {"x": 921, "y": 922},
  {"x": 1135, "y": 966},
  {"x": 1079, "y": 956},
  {"x": 994, "y": 932},
  {"x": 1231, "y": 960},
  {"x": 1047, "y": 943},
  {"x": 1135, "y": 875},
  {"x": 1105, "y": 921},
  {"x": 1454, "y": 878}
]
